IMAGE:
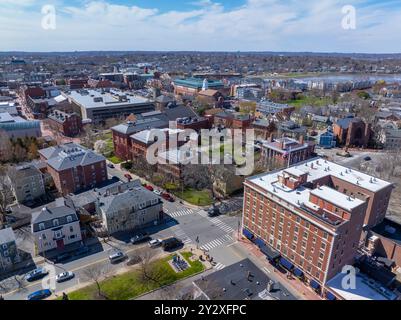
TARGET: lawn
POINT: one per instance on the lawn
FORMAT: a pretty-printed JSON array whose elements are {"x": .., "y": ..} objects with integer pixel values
[
  {"x": 310, "y": 101},
  {"x": 196, "y": 197},
  {"x": 129, "y": 285},
  {"x": 115, "y": 159}
]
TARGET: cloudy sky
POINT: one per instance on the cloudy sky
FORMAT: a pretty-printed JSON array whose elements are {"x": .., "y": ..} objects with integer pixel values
[{"x": 206, "y": 25}]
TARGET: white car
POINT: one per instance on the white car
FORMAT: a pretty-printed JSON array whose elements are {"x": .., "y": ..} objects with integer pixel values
[
  {"x": 155, "y": 243},
  {"x": 65, "y": 276},
  {"x": 158, "y": 192}
]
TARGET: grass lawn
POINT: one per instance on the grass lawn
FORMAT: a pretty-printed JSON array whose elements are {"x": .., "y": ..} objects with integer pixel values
[
  {"x": 310, "y": 101},
  {"x": 115, "y": 159},
  {"x": 129, "y": 285},
  {"x": 196, "y": 197}
]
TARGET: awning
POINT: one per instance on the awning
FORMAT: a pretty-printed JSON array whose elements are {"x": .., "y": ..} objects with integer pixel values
[
  {"x": 286, "y": 264},
  {"x": 330, "y": 296},
  {"x": 314, "y": 284},
  {"x": 259, "y": 242},
  {"x": 298, "y": 273},
  {"x": 270, "y": 253},
  {"x": 247, "y": 234}
]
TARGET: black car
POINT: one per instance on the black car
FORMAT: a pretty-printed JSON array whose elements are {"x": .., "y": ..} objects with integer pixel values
[
  {"x": 171, "y": 243},
  {"x": 62, "y": 257},
  {"x": 139, "y": 238},
  {"x": 367, "y": 158},
  {"x": 213, "y": 211}
]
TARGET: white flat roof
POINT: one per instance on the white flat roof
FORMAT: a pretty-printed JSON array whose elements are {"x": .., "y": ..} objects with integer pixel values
[
  {"x": 338, "y": 198},
  {"x": 85, "y": 98},
  {"x": 322, "y": 168},
  {"x": 365, "y": 288},
  {"x": 294, "y": 172}
]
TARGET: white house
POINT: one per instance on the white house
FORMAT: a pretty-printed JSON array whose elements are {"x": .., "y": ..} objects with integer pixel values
[{"x": 53, "y": 228}]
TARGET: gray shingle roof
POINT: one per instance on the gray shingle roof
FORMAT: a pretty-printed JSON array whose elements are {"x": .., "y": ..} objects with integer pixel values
[
  {"x": 71, "y": 160},
  {"x": 47, "y": 215},
  {"x": 7, "y": 235},
  {"x": 127, "y": 199}
]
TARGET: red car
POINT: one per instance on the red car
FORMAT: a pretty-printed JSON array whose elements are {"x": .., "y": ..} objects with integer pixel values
[
  {"x": 128, "y": 176},
  {"x": 150, "y": 188},
  {"x": 167, "y": 197}
]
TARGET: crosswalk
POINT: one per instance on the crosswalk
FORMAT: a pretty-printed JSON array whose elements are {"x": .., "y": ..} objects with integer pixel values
[
  {"x": 219, "y": 266},
  {"x": 182, "y": 236},
  {"x": 266, "y": 270},
  {"x": 179, "y": 213},
  {"x": 220, "y": 224},
  {"x": 217, "y": 242},
  {"x": 217, "y": 222}
]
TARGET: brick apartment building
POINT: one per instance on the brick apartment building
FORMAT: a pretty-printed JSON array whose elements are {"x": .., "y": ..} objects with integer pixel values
[
  {"x": 69, "y": 124},
  {"x": 352, "y": 132},
  {"x": 74, "y": 168},
  {"x": 282, "y": 152},
  {"x": 141, "y": 141},
  {"x": 75, "y": 84},
  {"x": 313, "y": 215},
  {"x": 122, "y": 134},
  {"x": 233, "y": 120}
]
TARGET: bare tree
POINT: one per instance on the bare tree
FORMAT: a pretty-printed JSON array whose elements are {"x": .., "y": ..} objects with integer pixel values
[
  {"x": 6, "y": 191},
  {"x": 89, "y": 137},
  {"x": 150, "y": 271},
  {"x": 5, "y": 147},
  {"x": 97, "y": 273}
]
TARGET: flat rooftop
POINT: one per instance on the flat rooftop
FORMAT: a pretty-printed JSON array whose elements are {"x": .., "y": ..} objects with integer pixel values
[
  {"x": 91, "y": 99},
  {"x": 233, "y": 283},
  {"x": 315, "y": 169},
  {"x": 365, "y": 289}
]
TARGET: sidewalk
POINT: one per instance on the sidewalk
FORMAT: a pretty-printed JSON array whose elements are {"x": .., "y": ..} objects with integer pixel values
[{"x": 302, "y": 290}]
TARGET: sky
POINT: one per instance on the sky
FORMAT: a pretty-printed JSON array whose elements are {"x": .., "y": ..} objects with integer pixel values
[{"x": 200, "y": 25}]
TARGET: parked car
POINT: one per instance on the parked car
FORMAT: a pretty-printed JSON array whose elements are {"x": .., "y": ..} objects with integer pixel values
[
  {"x": 36, "y": 274},
  {"x": 150, "y": 188},
  {"x": 168, "y": 197},
  {"x": 171, "y": 243},
  {"x": 139, "y": 238},
  {"x": 40, "y": 294},
  {"x": 158, "y": 192},
  {"x": 128, "y": 176},
  {"x": 65, "y": 276},
  {"x": 154, "y": 243},
  {"x": 62, "y": 257},
  {"x": 213, "y": 211},
  {"x": 117, "y": 257},
  {"x": 82, "y": 250},
  {"x": 367, "y": 158},
  {"x": 110, "y": 165}
]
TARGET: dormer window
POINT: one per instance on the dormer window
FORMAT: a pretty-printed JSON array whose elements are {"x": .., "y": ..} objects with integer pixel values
[
  {"x": 69, "y": 219},
  {"x": 41, "y": 226},
  {"x": 56, "y": 223}
]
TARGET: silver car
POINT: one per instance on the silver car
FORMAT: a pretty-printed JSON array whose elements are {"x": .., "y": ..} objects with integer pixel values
[{"x": 65, "y": 276}]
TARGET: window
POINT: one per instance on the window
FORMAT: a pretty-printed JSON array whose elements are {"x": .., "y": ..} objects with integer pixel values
[
  {"x": 325, "y": 235},
  {"x": 69, "y": 219},
  {"x": 323, "y": 246},
  {"x": 41, "y": 226},
  {"x": 71, "y": 229},
  {"x": 56, "y": 223}
]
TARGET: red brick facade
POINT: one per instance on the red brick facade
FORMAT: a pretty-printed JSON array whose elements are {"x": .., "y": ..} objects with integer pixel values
[{"x": 318, "y": 248}]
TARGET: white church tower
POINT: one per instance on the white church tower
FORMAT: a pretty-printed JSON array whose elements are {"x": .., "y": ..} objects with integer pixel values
[{"x": 205, "y": 85}]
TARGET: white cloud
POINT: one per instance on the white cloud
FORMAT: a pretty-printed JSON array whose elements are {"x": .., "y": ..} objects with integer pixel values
[{"x": 313, "y": 25}]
